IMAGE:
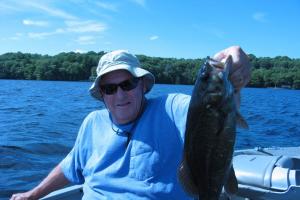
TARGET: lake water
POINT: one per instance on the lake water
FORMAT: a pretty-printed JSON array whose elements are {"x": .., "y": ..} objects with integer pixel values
[{"x": 39, "y": 122}]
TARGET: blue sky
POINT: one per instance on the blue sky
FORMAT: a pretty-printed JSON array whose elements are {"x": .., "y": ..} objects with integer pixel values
[{"x": 164, "y": 28}]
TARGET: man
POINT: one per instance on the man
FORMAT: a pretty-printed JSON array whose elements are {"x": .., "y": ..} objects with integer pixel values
[{"x": 131, "y": 149}]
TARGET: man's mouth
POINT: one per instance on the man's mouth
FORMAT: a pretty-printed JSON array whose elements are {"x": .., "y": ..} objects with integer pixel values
[{"x": 123, "y": 104}]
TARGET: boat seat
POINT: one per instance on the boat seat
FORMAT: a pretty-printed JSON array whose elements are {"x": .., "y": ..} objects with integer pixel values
[
  {"x": 288, "y": 162},
  {"x": 267, "y": 172},
  {"x": 283, "y": 178}
]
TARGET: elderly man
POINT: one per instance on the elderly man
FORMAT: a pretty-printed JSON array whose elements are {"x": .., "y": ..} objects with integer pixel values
[{"x": 131, "y": 149}]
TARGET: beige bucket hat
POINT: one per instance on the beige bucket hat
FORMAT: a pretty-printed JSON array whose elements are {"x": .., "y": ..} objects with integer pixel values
[{"x": 117, "y": 60}]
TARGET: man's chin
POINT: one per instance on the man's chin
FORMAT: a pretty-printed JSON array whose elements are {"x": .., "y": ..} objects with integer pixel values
[{"x": 125, "y": 117}]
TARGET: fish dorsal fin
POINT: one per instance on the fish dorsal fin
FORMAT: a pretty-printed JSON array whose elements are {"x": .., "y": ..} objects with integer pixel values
[
  {"x": 240, "y": 121},
  {"x": 228, "y": 65}
]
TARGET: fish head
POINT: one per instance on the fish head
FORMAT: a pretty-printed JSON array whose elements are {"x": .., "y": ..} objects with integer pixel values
[
  {"x": 212, "y": 84},
  {"x": 214, "y": 78},
  {"x": 205, "y": 70}
]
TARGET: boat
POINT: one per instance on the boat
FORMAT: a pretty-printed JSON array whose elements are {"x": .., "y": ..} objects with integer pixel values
[
  {"x": 73, "y": 192},
  {"x": 262, "y": 173},
  {"x": 268, "y": 173}
]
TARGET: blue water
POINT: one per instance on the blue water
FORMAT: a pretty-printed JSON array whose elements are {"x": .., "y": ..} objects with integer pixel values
[{"x": 39, "y": 122}]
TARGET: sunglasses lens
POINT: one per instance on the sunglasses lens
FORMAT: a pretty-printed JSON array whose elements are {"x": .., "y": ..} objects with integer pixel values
[
  {"x": 129, "y": 84},
  {"x": 109, "y": 88},
  {"x": 126, "y": 85}
]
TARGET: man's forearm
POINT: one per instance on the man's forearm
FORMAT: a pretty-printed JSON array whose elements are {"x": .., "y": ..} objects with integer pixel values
[{"x": 54, "y": 181}]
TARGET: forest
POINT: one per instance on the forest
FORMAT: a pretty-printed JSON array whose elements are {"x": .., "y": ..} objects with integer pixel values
[{"x": 280, "y": 71}]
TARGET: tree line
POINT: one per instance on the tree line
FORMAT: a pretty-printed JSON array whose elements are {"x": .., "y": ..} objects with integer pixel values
[{"x": 280, "y": 71}]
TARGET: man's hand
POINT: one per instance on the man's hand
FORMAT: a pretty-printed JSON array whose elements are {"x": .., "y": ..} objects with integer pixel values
[
  {"x": 240, "y": 73},
  {"x": 55, "y": 180},
  {"x": 23, "y": 196}
]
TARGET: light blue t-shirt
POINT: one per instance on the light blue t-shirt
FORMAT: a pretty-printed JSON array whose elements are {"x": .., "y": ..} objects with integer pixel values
[{"x": 146, "y": 168}]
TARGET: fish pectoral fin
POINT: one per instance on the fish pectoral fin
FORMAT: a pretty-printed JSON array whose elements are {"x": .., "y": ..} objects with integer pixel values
[
  {"x": 185, "y": 178},
  {"x": 240, "y": 121},
  {"x": 231, "y": 184}
]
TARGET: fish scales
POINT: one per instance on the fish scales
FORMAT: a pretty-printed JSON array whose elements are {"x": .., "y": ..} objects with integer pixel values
[{"x": 210, "y": 133}]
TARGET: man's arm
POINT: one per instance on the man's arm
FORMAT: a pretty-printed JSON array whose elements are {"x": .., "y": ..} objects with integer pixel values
[{"x": 54, "y": 181}]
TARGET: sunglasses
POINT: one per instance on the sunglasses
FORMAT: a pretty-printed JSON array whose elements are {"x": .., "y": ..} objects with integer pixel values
[{"x": 127, "y": 85}]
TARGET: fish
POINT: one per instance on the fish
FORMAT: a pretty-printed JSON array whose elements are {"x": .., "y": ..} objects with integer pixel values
[{"x": 212, "y": 117}]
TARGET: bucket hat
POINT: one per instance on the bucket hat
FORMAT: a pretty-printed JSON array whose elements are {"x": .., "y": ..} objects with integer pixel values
[{"x": 120, "y": 60}]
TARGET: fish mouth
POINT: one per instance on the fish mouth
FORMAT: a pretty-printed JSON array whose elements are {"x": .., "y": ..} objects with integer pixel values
[
  {"x": 214, "y": 97},
  {"x": 214, "y": 94}
]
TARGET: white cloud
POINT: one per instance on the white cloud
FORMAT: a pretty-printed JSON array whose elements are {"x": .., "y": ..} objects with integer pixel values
[
  {"x": 85, "y": 26},
  {"x": 15, "y": 37},
  {"x": 80, "y": 51},
  {"x": 73, "y": 27},
  {"x": 107, "y": 43},
  {"x": 6, "y": 8},
  {"x": 34, "y": 23},
  {"x": 86, "y": 40},
  {"x": 42, "y": 35},
  {"x": 213, "y": 31},
  {"x": 51, "y": 11},
  {"x": 140, "y": 2},
  {"x": 217, "y": 33},
  {"x": 60, "y": 30},
  {"x": 107, "y": 6},
  {"x": 259, "y": 16},
  {"x": 10, "y": 6},
  {"x": 154, "y": 37}
]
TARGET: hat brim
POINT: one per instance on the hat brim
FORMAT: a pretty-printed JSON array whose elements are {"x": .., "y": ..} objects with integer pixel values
[{"x": 134, "y": 71}]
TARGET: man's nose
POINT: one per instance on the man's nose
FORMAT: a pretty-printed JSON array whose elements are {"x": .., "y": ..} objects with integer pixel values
[{"x": 120, "y": 92}]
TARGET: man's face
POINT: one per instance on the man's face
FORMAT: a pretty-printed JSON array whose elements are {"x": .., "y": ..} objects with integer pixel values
[{"x": 123, "y": 105}]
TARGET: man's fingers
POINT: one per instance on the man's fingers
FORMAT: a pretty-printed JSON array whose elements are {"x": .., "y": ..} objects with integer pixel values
[
  {"x": 241, "y": 70},
  {"x": 240, "y": 77},
  {"x": 19, "y": 196},
  {"x": 220, "y": 56}
]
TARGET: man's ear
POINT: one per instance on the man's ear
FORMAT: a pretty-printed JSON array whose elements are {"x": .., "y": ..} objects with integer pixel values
[{"x": 101, "y": 93}]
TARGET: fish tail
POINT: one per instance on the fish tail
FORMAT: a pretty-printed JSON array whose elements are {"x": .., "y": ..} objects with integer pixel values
[
  {"x": 185, "y": 178},
  {"x": 231, "y": 184}
]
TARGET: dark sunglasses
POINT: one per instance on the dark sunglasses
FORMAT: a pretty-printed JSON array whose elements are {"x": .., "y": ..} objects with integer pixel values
[{"x": 126, "y": 85}]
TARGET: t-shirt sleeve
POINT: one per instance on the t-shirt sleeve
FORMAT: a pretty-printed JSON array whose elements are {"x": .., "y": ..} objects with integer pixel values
[
  {"x": 177, "y": 107},
  {"x": 72, "y": 165}
]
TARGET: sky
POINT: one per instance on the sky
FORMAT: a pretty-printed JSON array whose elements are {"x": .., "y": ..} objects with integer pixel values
[{"x": 160, "y": 28}]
